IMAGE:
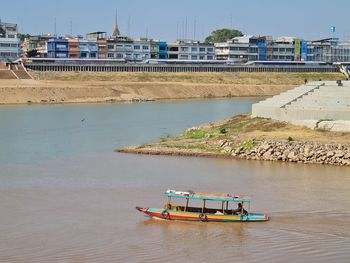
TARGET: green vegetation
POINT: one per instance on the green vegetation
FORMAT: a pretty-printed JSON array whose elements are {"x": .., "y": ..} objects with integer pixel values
[
  {"x": 222, "y": 35},
  {"x": 290, "y": 139},
  {"x": 222, "y": 130},
  {"x": 195, "y": 134},
  {"x": 248, "y": 144}
]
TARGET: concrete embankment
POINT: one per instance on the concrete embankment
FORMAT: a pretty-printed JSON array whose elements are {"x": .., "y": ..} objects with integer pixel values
[
  {"x": 74, "y": 87},
  {"x": 255, "y": 139}
]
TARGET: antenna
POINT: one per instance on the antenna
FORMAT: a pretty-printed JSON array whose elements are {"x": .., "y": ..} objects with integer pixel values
[
  {"x": 194, "y": 28},
  {"x": 177, "y": 30},
  {"x": 55, "y": 27},
  {"x": 231, "y": 21},
  {"x": 129, "y": 18},
  {"x": 186, "y": 28},
  {"x": 71, "y": 27}
]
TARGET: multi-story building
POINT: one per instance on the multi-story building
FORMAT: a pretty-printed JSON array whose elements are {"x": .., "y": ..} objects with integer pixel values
[
  {"x": 163, "y": 50},
  {"x": 73, "y": 48},
  {"x": 240, "y": 49},
  {"x": 190, "y": 50},
  {"x": 131, "y": 50},
  {"x": 58, "y": 48},
  {"x": 251, "y": 48},
  {"x": 36, "y": 43},
  {"x": 9, "y": 42},
  {"x": 88, "y": 49},
  {"x": 101, "y": 40}
]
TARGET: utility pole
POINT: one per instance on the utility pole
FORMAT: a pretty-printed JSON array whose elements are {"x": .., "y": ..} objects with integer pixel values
[{"x": 55, "y": 29}]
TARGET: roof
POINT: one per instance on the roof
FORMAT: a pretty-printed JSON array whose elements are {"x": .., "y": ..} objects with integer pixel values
[{"x": 207, "y": 196}]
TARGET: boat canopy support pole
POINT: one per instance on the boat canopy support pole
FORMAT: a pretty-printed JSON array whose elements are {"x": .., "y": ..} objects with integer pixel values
[
  {"x": 203, "y": 206},
  {"x": 186, "y": 204}
]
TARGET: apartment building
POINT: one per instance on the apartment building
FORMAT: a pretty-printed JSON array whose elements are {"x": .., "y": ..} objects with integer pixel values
[
  {"x": 37, "y": 43},
  {"x": 190, "y": 50},
  {"x": 10, "y": 47},
  {"x": 131, "y": 50}
]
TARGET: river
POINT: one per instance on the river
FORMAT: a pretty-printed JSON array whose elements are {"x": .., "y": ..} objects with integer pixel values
[{"x": 66, "y": 196}]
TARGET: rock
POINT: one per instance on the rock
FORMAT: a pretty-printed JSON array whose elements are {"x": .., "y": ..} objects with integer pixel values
[{"x": 330, "y": 154}]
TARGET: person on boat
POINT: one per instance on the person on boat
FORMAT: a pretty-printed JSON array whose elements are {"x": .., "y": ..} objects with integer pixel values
[{"x": 239, "y": 210}]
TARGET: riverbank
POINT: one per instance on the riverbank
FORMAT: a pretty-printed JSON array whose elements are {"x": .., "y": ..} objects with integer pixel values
[
  {"x": 84, "y": 87},
  {"x": 254, "y": 139}
]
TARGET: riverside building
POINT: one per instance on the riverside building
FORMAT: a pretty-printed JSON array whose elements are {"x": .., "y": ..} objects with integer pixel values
[
  {"x": 9, "y": 42},
  {"x": 190, "y": 50}
]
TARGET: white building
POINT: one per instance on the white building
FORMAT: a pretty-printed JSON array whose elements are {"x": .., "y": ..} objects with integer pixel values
[
  {"x": 190, "y": 50},
  {"x": 133, "y": 50},
  {"x": 9, "y": 42}
]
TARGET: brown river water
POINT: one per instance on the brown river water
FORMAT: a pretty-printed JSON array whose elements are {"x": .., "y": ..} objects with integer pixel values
[{"x": 66, "y": 198}]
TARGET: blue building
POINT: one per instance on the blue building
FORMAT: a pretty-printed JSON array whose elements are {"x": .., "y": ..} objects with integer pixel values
[
  {"x": 163, "y": 50},
  {"x": 88, "y": 49},
  {"x": 57, "y": 48}
]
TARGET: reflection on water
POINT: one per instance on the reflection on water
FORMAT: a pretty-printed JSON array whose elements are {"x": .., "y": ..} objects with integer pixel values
[{"x": 78, "y": 205}]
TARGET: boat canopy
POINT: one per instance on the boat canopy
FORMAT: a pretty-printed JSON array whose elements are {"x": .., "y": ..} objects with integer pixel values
[{"x": 207, "y": 196}]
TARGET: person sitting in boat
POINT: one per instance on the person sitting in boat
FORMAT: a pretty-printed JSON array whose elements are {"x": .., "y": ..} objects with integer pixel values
[{"x": 239, "y": 210}]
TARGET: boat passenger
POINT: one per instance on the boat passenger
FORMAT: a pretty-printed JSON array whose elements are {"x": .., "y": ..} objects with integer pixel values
[{"x": 239, "y": 210}]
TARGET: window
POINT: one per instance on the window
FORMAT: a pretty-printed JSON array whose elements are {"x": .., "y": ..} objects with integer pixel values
[
  {"x": 184, "y": 49},
  {"x": 183, "y": 57},
  {"x": 145, "y": 47},
  {"x": 110, "y": 55},
  {"x": 210, "y": 57},
  {"x": 202, "y": 49},
  {"x": 119, "y": 55},
  {"x": 194, "y": 49},
  {"x": 92, "y": 55},
  {"x": 110, "y": 47},
  {"x": 137, "y": 47},
  {"x": 201, "y": 57},
  {"x": 210, "y": 49},
  {"x": 194, "y": 57}
]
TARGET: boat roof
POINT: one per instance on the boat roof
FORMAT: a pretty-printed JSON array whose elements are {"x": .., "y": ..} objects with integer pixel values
[{"x": 207, "y": 196}]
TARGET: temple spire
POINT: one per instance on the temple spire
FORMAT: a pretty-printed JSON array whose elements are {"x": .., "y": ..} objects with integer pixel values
[{"x": 116, "y": 31}]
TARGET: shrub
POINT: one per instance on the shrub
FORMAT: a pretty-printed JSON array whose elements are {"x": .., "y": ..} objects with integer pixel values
[
  {"x": 222, "y": 130},
  {"x": 195, "y": 134},
  {"x": 290, "y": 139}
]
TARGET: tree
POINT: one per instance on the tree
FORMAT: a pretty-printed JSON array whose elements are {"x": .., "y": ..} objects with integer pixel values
[
  {"x": 22, "y": 37},
  {"x": 222, "y": 35}
]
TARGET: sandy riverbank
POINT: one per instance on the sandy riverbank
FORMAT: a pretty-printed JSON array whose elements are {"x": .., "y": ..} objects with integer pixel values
[
  {"x": 254, "y": 139},
  {"x": 71, "y": 87}
]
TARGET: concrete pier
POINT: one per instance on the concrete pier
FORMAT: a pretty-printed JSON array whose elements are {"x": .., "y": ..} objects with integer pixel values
[{"x": 311, "y": 105}]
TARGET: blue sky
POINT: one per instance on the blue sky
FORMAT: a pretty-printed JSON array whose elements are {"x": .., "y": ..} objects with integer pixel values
[{"x": 160, "y": 19}]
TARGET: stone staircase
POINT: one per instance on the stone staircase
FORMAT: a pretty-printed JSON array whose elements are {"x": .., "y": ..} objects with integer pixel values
[{"x": 314, "y": 101}]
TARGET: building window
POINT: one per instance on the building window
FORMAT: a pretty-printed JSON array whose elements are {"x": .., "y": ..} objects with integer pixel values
[
  {"x": 93, "y": 55},
  {"x": 184, "y": 49},
  {"x": 183, "y": 57},
  {"x": 210, "y": 49},
  {"x": 137, "y": 47},
  {"x": 194, "y": 49},
  {"x": 210, "y": 57},
  {"x": 145, "y": 47},
  {"x": 201, "y": 57},
  {"x": 194, "y": 57},
  {"x": 119, "y": 55},
  {"x": 202, "y": 49},
  {"x": 110, "y": 55}
]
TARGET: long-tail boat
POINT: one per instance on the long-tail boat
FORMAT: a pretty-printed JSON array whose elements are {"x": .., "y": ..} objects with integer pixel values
[{"x": 230, "y": 208}]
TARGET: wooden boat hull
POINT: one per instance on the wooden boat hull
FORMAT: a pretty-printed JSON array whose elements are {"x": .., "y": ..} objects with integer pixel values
[{"x": 193, "y": 216}]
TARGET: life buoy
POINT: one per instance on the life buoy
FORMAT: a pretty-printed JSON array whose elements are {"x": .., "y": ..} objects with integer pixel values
[
  {"x": 203, "y": 217},
  {"x": 166, "y": 215}
]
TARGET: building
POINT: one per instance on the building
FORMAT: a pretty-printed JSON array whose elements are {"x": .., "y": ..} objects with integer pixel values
[
  {"x": 190, "y": 50},
  {"x": 73, "y": 48},
  {"x": 38, "y": 44},
  {"x": 88, "y": 49},
  {"x": 9, "y": 42},
  {"x": 101, "y": 40},
  {"x": 252, "y": 48},
  {"x": 57, "y": 48},
  {"x": 163, "y": 50}
]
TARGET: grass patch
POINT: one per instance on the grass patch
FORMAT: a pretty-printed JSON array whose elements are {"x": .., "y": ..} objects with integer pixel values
[
  {"x": 195, "y": 134},
  {"x": 248, "y": 144}
]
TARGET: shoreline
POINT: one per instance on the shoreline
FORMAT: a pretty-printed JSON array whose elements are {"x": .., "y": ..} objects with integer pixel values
[
  {"x": 72, "y": 87},
  {"x": 242, "y": 137}
]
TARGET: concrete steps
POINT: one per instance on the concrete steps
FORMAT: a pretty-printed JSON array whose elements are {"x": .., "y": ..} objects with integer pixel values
[{"x": 308, "y": 102}]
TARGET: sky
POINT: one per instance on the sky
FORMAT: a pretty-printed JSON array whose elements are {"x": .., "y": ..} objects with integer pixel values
[{"x": 167, "y": 20}]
